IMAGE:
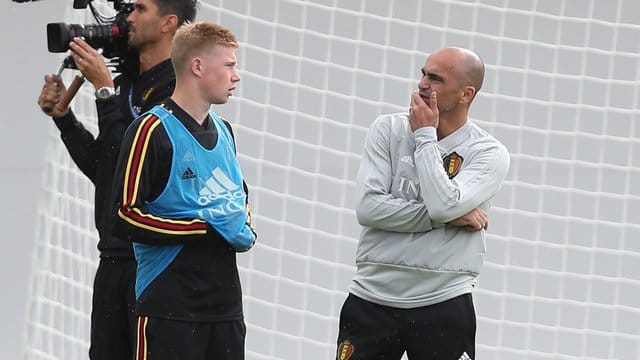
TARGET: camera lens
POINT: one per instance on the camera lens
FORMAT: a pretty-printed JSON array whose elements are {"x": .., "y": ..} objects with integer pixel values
[
  {"x": 98, "y": 36},
  {"x": 58, "y": 37}
]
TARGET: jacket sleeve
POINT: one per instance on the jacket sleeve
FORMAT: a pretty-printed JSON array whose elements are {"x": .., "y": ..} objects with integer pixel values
[
  {"x": 137, "y": 173},
  {"x": 112, "y": 122},
  {"x": 476, "y": 183},
  {"x": 86, "y": 149},
  {"x": 377, "y": 207},
  {"x": 81, "y": 144}
]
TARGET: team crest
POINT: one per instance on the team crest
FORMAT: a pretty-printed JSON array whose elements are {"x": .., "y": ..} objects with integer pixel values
[
  {"x": 345, "y": 350},
  {"x": 452, "y": 164}
]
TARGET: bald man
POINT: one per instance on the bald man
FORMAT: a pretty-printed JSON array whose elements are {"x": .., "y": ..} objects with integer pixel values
[{"x": 426, "y": 181}]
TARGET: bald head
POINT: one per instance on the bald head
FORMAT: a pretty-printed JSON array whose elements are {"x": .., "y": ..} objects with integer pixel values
[{"x": 467, "y": 64}]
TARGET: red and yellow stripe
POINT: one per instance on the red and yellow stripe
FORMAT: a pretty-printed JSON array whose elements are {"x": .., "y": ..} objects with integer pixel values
[
  {"x": 141, "y": 338},
  {"x": 132, "y": 174}
]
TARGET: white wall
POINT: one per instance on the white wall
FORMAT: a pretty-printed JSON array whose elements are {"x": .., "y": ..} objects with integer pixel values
[{"x": 23, "y": 137}]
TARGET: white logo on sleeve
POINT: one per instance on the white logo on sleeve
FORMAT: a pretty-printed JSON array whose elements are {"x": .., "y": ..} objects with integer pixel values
[{"x": 465, "y": 356}]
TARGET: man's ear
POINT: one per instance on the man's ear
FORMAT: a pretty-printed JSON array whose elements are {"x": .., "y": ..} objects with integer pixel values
[
  {"x": 169, "y": 23},
  {"x": 196, "y": 66},
  {"x": 467, "y": 94}
]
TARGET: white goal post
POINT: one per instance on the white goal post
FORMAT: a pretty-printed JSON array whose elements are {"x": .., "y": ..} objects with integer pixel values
[{"x": 561, "y": 280}]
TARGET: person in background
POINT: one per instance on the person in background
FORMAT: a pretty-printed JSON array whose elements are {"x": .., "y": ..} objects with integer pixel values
[{"x": 152, "y": 24}]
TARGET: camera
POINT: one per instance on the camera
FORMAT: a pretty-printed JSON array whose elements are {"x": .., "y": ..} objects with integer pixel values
[{"x": 110, "y": 34}]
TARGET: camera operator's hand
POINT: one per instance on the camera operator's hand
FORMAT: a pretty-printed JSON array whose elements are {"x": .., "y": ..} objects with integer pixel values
[
  {"x": 90, "y": 63},
  {"x": 50, "y": 95}
]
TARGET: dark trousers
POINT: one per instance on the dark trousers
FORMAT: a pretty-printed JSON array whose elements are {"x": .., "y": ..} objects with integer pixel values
[
  {"x": 160, "y": 339},
  {"x": 113, "y": 310},
  {"x": 444, "y": 331}
]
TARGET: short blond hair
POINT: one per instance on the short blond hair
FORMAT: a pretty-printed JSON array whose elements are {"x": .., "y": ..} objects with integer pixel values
[{"x": 195, "y": 39}]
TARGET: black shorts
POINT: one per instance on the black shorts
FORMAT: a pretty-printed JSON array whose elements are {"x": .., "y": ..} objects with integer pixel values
[
  {"x": 160, "y": 339},
  {"x": 113, "y": 316},
  {"x": 444, "y": 331}
]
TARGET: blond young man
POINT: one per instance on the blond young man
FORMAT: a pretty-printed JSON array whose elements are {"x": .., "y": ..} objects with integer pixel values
[{"x": 183, "y": 204}]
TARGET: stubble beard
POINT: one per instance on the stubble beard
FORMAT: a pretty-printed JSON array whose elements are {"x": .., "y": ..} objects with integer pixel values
[{"x": 133, "y": 44}]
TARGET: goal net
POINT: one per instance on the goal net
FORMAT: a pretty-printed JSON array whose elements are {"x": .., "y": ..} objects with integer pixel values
[{"x": 561, "y": 91}]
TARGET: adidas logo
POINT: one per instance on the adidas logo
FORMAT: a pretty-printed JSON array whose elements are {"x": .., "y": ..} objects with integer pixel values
[
  {"x": 219, "y": 186},
  {"x": 407, "y": 159},
  {"x": 188, "y": 174},
  {"x": 188, "y": 156},
  {"x": 465, "y": 356}
]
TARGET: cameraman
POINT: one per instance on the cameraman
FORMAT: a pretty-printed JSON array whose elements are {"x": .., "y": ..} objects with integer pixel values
[{"x": 152, "y": 25}]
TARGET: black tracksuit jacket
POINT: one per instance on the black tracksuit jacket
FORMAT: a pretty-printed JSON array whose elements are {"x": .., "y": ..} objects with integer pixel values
[{"x": 97, "y": 156}]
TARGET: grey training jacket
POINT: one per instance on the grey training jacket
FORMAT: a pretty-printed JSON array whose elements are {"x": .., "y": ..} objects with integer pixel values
[{"x": 408, "y": 256}]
